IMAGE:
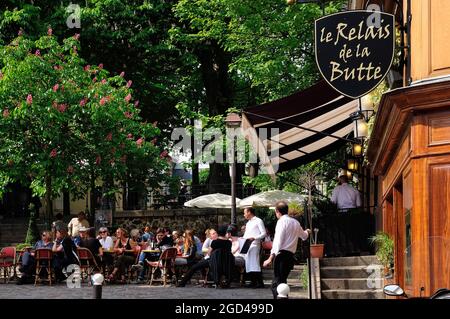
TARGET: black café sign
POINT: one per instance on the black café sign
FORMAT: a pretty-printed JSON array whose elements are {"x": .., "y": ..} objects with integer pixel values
[{"x": 355, "y": 50}]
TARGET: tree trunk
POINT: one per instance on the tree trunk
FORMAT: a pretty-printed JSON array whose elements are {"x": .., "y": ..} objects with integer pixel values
[
  {"x": 214, "y": 63},
  {"x": 91, "y": 216},
  {"x": 66, "y": 203},
  {"x": 195, "y": 180}
]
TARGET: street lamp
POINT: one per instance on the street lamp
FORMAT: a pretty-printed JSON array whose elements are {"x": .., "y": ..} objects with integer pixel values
[
  {"x": 233, "y": 121},
  {"x": 366, "y": 106},
  {"x": 356, "y": 150},
  {"x": 360, "y": 128}
]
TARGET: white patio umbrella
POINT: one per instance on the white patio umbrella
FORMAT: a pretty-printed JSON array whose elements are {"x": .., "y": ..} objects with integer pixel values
[
  {"x": 216, "y": 200},
  {"x": 269, "y": 198}
]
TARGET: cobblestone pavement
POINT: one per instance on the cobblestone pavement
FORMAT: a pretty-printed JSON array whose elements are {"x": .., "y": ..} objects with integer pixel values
[{"x": 134, "y": 291}]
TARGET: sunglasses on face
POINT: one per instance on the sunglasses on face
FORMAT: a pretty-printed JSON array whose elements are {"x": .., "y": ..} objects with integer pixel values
[{"x": 102, "y": 232}]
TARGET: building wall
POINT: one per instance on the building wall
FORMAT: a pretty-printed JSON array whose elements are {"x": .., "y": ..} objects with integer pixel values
[{"x": 430, "y": 38}]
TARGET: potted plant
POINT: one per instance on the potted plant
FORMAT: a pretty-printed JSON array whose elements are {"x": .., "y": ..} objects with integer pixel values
[
  {"x": 316, "y": 250},
  {"x": 384, "y": 251}
]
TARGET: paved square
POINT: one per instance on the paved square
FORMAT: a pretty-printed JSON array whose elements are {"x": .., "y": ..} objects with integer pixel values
[{"x": 133, "y": 291}]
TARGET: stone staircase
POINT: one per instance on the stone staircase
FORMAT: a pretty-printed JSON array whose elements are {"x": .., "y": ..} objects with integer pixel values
[
  {"x": 351, "y": 278},
  {"x": 297, "y": 291},
  {"x": 13, "y": 232}
]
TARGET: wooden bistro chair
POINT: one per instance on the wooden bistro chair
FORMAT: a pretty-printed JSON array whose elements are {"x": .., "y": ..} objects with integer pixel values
[
  {"x": 7, "y": 261},
  {"x": 130, "y": 272},
  {"x": 88, "y": 264},
  {"x": 43, "y": 258},
  {"x": 166, "y": 264}
]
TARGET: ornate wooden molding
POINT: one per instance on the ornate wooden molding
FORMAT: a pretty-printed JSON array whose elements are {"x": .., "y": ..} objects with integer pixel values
[{"x": 394, "y": 117}]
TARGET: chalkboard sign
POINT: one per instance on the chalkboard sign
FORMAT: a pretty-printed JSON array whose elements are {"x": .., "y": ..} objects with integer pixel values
[{"x": 355, "y": 50}]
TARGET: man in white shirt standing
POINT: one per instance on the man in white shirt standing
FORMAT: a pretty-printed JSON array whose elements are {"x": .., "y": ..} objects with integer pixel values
[
  {"x": 345, "y": 196},
  {"x": 284, "y": 246},
  {"x": 255, "y": 231}
]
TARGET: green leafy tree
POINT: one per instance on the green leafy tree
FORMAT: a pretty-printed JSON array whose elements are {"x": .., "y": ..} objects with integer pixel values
[{"x": 65, "y": 124}]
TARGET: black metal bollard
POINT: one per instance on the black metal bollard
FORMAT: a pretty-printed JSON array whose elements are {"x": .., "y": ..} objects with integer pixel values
[{"x": 97, "y": 291}]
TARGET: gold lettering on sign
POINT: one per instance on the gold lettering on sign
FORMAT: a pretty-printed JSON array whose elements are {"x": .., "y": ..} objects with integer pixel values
[
  {"x": 328, "y": 38},
  {"x": 363, "y": 72},
  {"x": 358, "y": 33}
]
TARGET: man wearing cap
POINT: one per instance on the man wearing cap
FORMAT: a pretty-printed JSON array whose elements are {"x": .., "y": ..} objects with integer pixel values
[
  {"x": 284, "y": 246},
  {"x": 82, "y": 235},
  {"x": 77, "y": 222}
]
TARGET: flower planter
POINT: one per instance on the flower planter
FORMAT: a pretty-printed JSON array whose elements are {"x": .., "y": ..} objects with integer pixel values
[{"x": 316, "y": 251}]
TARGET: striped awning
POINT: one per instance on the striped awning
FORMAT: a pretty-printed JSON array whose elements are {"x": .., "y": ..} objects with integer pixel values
[{"x": 308, "y": 125}]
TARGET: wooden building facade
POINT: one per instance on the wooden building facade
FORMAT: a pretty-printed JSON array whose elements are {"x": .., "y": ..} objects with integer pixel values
[{"x": 409, "y": 150}]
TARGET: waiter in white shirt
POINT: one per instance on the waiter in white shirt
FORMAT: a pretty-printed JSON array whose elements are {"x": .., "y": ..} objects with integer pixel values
[
  {"x": 255, "y": 231},
  {"x": 345, "y": 196},
  {"x": 284, "y": 246}
]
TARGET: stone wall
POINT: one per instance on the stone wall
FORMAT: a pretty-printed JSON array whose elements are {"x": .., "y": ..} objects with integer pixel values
[{"x": 176, "y": 219}]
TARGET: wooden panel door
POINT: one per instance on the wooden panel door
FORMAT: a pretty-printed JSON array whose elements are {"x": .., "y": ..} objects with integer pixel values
[{"x": 439, "y": 221}]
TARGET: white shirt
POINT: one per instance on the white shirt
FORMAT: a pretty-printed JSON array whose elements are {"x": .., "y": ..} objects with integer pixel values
[
  {"x": 107, "y": 243},
  {"x": 255, "y": 228},
  {"x": 346, "y": 197},
  {"x": 74, "y": 226},
  {"x": 287, "y": 232}
]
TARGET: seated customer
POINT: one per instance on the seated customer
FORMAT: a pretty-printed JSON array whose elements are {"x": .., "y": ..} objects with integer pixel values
[
  {"x": 162, "y": 242},
  {"x": 105, "y": 240},
  {"x": 221, "y": 244},
  {"x": 211, "y": 235},
  {"x": 232, "y": 233},
  {"x": 147, "y": 236},
  {"x": 28, "y": 262},
  {"x": 190, "y": 249},
  {"x": 93, "y": 244},
  {"x": 65, "y": 252},
  {"x": 107, "y": 245},
  {"x": 124, "y": 248}
]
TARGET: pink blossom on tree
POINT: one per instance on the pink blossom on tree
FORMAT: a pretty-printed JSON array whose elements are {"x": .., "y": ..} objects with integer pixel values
[
  {"x": 29, "y": 99},
  {"x": 128, "y": 98},
  {"x": 50, "y": 32},
  {"x": 140, "y": 141},
  {"x": 98, "y": 160},
  {"x": 62, "y": 108},
  {"x": 53, "y": 153},
  {"x": 129, "y": 83},
  {"x": 55, "y": 87},
  {"x": 109, "y": 136},
  {"x": 122, "y": 74},
  {"x": 100, "y": 66},
  {"x": 128, "y": 115},
  {"x": 5, "y": 113}
]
